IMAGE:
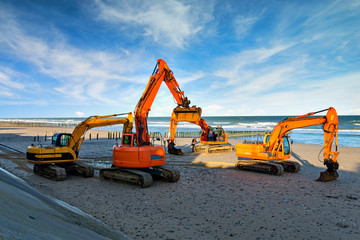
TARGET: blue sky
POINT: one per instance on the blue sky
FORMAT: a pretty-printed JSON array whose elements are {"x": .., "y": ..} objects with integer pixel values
[{"x": 80, "y": 58}]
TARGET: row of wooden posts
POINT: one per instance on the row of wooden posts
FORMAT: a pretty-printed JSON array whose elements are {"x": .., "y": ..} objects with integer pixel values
[{"x": 116, "y": 135}]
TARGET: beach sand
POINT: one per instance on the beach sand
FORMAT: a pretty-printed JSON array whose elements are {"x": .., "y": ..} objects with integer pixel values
[{"x": 211, "y": 200}]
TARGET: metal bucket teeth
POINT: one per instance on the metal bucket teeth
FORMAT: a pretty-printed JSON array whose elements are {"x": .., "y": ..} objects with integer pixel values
[{"x": 327, "y": 176}]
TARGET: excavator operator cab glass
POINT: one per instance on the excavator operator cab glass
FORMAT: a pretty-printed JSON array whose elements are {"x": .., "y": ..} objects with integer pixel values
[
  {"x": 60, "y": 139},
  {"x": 54, "y": 138},
  {"x": 286, "y": 145},
  {"x": 127, "y": 140},
  {"x": 64, "y": 139}
]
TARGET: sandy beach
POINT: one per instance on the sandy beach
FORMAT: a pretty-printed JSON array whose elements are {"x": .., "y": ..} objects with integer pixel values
[{"x": 211, "y": 200}]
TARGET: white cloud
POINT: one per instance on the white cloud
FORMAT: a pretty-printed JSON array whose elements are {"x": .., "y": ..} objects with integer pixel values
[
  {"x": 6, "y": 79},
  {"x": 80, "y": 114},
  {"x": 170, "y": 23},
  {"x": 80, "y": 75},
  {"x": 190, "y": 78},
  {"x": 244, "y": 66},
  {"x": 243, "y": 25}
]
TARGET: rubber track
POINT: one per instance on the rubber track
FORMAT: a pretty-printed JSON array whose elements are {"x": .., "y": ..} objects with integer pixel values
[
  {"x": 260, "y": 166},
  {"x": 169, "y": 174},
  {"x": 289, "y": 166},
  {"x": 214, "y": 149},
  {"x": 131, "y": 176},
  {"x": 52, "y": 172}
]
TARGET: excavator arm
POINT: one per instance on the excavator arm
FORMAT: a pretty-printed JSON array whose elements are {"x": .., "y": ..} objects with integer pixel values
[
  {"x": 76, "y": 138},
  {"x": 161, "y": 73}
]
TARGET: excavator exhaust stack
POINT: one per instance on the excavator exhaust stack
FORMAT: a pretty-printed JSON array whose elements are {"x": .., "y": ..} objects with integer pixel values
[{"x": 330, "y": 173}]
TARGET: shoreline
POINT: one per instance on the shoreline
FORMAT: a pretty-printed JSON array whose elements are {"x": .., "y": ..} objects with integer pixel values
[{"x": 207, "y": 202}]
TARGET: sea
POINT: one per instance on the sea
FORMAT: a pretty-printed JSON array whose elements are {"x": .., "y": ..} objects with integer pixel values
[{"x": 348, "y": 135}]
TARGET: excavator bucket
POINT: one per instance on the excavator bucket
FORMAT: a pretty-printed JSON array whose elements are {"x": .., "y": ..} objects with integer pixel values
[
  {"x": 191, "y": 114},
  {"x": 327, "y": 176},
  {"x": 330, "y": 173},
  {"x": 173, "y": 150}
]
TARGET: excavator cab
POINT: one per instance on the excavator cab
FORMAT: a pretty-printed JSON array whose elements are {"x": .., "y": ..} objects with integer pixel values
[
  {"x": 215, "y": 135},
  {"x": 60, "y": 139},
  {"x": 284, "y": 148},
  {"x": 128, "y": 140}
]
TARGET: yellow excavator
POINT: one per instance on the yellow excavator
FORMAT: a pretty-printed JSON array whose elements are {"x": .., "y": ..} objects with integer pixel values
[
  {"x": 271, "y": 155},
  {"x": 61, "y": 157},
  {"x": 212, "y": 139}
]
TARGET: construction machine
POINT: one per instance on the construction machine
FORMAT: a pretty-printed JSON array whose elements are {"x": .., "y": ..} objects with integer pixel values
[
  {"x": 136, "y": 160},
  {"x": 212, "y": 139},
  {"x": 270, "y": 155},
  {"x": 61, "y": 157}
]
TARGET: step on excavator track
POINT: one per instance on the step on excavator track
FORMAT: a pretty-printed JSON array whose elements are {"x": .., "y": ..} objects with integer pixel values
[
  {"x": 50, "y": 171},
  {"x": 79, "y": 169},
  {"x": 132, "y": 176},
  {"x": 203, "y": 148}
]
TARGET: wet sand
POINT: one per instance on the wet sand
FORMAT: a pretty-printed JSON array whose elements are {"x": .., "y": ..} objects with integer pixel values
[{"x": 212, "y": 200}]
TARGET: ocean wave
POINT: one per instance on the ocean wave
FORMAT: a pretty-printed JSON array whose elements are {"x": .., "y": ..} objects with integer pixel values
[{"x": 221, "y": 123}]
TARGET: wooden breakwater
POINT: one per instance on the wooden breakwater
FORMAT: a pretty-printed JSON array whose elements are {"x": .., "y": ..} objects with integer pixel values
[
  {"x": 197, "y": 134},
  {"x": 19, "y": 123}
]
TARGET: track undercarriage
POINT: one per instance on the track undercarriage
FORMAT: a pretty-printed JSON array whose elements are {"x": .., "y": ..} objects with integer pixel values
[
  {"x": 216, "y": 148},
  {"x": 274, "y": 167},
  {"x": 57, "y": 172},
  {"x": 142, "y": 177}
]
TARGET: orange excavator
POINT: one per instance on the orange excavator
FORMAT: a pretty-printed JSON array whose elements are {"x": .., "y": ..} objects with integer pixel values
[
  {"x": 270, "y": 155},
  {"x": 136, "y": 160},
  {"x": 212, "y": 139},
  {"x": 61, "y": 157}
]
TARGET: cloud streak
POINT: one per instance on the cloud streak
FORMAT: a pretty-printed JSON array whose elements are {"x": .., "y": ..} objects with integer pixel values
[
  {"x": 169, "y": 23},
  {"x": 79, "y": 74}
]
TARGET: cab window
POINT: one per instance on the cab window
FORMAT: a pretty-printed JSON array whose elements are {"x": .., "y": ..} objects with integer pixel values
[
  {"x": 53, "y": 141},
  {"x": 126, "y": 140},
  {"x": 64, "y": 139},
  {"x": 286, "y": 146}
]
